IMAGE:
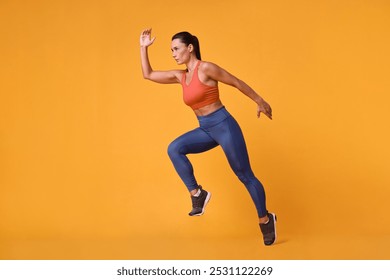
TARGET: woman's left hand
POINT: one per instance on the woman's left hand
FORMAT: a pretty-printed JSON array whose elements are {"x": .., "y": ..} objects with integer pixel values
[{"x": 265, "y": 108}]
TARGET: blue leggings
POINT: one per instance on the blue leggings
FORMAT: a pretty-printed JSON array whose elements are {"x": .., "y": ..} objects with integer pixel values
[{"x": 217, "y": 128}]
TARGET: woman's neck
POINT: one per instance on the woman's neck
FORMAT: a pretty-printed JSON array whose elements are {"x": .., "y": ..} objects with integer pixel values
[{"x": 191, "y": 64}]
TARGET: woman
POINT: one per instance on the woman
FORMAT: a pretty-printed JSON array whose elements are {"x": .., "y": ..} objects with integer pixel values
[{"x": 217, "y": 126}]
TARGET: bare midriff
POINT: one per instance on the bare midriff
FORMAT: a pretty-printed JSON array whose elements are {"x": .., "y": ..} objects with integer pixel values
[{"x": 208, "y": 109}]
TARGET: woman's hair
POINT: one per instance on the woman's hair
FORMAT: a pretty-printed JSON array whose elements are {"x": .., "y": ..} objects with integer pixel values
[{"x": 187, "y": 38}]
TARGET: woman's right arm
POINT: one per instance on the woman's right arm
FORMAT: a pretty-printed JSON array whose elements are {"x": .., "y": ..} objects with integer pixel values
[{"x": 163, "y": 77}]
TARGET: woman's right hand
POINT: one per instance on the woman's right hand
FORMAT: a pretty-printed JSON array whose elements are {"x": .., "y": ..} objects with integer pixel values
[{"x": 145, "y": 38}]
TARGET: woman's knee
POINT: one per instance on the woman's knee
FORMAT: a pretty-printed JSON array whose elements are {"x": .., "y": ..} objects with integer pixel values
[
  {"x": 246, "y": 177},
  {"x": 174, "y": 149}
]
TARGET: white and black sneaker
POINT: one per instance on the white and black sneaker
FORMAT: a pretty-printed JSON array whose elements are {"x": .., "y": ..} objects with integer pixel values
[
  {"x": 269, "y": 230},
  {"x": 199, "y": 202}
]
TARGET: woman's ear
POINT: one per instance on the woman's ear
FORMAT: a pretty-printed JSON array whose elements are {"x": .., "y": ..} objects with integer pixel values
[{"x": 190, "y": 47}]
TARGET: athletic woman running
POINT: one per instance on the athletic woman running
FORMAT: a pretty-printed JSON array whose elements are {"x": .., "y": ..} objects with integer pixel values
[{"x": 216, "y": 125}]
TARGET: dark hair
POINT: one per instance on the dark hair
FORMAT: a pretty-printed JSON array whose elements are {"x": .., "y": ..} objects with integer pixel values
[{"x": 187, "y": 38}]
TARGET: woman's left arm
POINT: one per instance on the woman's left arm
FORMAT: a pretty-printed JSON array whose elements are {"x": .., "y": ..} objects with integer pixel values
[{"x": 217, "y": 73}]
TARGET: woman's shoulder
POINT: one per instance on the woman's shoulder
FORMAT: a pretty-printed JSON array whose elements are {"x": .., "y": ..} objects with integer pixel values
[
  {"x": 178, "y": 72},
  {"x": 180, "y": 75},
  {"x": 207, "y": 66}
]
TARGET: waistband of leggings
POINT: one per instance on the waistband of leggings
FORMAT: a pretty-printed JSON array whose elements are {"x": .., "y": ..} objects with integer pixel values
[{"x": 213, "y": 118}]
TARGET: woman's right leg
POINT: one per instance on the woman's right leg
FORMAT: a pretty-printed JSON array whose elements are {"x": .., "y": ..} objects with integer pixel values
[
  {"x": 195, "y": 141},
  {"x": 192, "y": 142}
]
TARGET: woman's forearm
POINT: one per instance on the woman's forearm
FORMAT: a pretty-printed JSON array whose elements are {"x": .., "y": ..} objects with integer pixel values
[
  {"x": 248, "y": 91},
  {"x": 262, "y": 105},
  {"x": 146, "y": 67}
]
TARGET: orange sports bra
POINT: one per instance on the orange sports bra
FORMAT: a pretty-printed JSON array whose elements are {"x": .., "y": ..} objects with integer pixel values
[{"x": 197, "y": 94}]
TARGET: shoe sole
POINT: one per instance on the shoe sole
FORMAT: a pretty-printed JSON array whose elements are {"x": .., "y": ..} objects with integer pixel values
[{"x": 204, "y": 205}]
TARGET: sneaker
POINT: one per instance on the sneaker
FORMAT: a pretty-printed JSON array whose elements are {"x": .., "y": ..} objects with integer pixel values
[
  {"x": 199, "y": 203},
  {"x": 269, "y": 230}
]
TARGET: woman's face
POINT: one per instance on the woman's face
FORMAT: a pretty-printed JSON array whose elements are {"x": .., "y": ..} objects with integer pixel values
[{"x": 180, "y": 52}]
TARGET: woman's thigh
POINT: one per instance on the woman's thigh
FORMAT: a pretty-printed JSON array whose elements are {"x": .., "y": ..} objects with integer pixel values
[
  {"x": 228, "y": 134},
  {"x": 192, "y": 142}
]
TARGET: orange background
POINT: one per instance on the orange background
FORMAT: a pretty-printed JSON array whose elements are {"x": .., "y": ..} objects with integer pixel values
[{"x": 84, "y": 172}]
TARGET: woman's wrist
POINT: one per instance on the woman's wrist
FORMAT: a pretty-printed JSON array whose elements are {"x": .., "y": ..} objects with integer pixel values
[{"x": 258, "y": 100}]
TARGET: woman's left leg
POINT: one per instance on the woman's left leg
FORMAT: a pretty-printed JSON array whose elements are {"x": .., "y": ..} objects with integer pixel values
[{"x": 229, "y": 135}]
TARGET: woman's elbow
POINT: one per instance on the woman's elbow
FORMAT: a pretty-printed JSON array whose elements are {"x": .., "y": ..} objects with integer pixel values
[{"x": 146, "y": 76}]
